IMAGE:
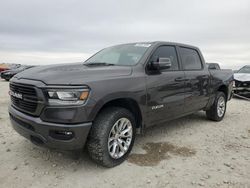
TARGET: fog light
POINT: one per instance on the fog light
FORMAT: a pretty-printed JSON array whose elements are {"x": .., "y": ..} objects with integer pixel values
[
  {"x": 65, "y": 132},
  {"x": 61, "y": 134}
]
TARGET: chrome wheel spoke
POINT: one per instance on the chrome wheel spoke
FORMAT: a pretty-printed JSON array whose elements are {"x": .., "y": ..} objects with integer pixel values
[
  {"x": 111, "y": 139},
  {"x": 114, "y": 149},
  {"x": 125, "y": 136},
  {"x": 113, "y": 130},
  {"x": 123, "y": 124},
  {"x": 123, "y": 133},
  {"x": 121, "y": 146}
]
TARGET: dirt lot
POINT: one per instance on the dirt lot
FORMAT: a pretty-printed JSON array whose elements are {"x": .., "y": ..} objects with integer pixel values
[{"x": 189, "y": 152}]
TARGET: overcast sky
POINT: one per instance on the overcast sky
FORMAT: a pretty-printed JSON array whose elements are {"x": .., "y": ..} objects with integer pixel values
[{"x": 59, "y": 31}]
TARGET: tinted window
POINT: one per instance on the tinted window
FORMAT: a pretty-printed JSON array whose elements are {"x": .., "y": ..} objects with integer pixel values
[
  {"x": 167, "y": 52},
  {"x": 190, "y": 59}
]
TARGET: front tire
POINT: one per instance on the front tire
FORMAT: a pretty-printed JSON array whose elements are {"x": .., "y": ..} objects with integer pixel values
[
  {"x": 218, "y": 109},
  {"x": 112, "y": 136}
]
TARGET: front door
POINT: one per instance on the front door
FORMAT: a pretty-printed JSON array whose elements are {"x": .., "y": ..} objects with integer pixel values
[{"x": 165, "y": 89}]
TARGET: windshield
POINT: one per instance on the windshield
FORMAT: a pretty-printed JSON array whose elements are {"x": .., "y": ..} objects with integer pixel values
[
  {"x": 126, "y": 54},
  {"x": 245, "y": 70}
]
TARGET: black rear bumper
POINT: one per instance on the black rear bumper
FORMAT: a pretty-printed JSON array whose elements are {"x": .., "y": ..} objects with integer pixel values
[{"x": 52, "y": 135}]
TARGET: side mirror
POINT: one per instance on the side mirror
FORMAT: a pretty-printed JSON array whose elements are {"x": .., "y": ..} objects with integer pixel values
[{"x": 162, "y": 63}]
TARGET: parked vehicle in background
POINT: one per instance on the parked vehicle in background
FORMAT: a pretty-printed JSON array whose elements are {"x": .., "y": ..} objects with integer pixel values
[
  {"x": 117, "y": 92},
  {"x": 214, "y": 66},
  {"x": 242, "y": 81},
  {"x": 3, "y": 67},
  {"x": 8, "y": 74}
]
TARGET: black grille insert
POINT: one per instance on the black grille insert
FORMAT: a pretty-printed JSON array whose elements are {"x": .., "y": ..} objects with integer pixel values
[{"x": 29, "y": 99}]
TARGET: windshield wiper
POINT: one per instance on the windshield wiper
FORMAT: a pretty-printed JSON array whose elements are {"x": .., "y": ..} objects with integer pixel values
[{"x": 98, "y": 64}]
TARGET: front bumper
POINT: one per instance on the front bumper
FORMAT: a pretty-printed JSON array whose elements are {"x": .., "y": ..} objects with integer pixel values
[
  {"x": 52, "y": 135},
  {"x": 6, "y": 77},
  {"x": 242, "y": 91}
]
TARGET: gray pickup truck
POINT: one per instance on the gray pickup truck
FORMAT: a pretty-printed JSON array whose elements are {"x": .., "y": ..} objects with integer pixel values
[{"x": 113, "y": 95}]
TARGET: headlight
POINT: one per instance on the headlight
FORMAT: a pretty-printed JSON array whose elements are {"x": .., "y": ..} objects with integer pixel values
[{"x": 67, "y": 96}]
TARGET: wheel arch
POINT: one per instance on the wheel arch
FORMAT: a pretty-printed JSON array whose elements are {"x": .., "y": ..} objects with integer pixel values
[
  {"x": 126, "y": 102},
  {"x": 223, "y": 88}
]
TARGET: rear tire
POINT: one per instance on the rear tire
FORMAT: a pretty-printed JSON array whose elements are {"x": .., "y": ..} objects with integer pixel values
[
  {"x": 105, "y": 143},
  {"x": 218, "y": 109}
]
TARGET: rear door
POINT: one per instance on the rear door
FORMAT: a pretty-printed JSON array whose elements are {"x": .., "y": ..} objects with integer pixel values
[
  {"x": 165, "y": 89},
  {"x": 197, "y": 79}
]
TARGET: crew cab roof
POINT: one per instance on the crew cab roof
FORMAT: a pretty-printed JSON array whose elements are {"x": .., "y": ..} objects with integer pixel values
[
  {"x": 158, "y": 43},
  {"x": 173, "y": 43}
]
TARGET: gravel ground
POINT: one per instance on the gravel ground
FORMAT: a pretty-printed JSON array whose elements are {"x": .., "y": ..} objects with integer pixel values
[{"x": 189, "y": 152}]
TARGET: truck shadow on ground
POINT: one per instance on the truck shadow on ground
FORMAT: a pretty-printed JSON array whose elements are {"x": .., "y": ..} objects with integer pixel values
[{"x": 155, "y": 151}]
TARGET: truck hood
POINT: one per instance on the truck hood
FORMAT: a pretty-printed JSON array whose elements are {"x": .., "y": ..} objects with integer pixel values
[
  {"x": 243, "y": 77},
  {"x": 73, "y": 74}
]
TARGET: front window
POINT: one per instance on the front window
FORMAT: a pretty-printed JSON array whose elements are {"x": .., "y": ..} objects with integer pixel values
[
  {"x": 124, "y": 55},
  {"x": 245, "y": 70}
]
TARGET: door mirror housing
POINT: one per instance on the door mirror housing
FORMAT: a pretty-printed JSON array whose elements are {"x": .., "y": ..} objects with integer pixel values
[
  {"x": 161, "y": 63},
  {"x": 164, "y": 63}
]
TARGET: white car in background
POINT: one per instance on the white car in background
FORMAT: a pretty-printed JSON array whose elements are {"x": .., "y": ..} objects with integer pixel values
[{"x": 242, "y": 81}]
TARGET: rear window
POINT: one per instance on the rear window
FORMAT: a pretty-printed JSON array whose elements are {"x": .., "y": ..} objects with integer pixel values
[{"x": 190, "y": 59}]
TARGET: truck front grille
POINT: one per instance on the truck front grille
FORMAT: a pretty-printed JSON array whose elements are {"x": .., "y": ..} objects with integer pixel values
[
  {"x": 29, "y": 99},
  {"x": 242, "y": 84}
]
